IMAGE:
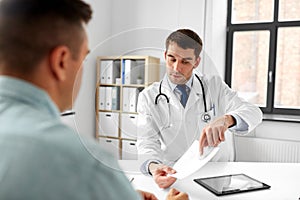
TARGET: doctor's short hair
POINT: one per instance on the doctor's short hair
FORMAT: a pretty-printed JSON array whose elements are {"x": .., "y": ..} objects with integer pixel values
[
  {"x": 31, "y": 29},
  {"x": 186, "y": 39}
]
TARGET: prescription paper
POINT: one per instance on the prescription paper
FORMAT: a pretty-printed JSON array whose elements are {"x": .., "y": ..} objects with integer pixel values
[{"x": 191, "y": 162}]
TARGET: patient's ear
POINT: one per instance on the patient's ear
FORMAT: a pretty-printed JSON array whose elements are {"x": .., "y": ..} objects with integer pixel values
[{"x": 59, "y": 58}]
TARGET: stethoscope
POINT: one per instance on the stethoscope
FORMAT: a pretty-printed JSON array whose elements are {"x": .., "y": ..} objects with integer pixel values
[{"x": 205, "y": 116}]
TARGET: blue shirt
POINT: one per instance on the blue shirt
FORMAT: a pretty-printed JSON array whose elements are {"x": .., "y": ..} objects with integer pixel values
[{"x": 41, "y": 158}]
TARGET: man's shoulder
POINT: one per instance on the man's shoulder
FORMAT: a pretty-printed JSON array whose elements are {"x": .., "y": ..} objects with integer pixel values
[
  {"x": 212, "y": 81},
  {"x": 74, "y": 142},
  {"x": 211, "y": 78},
  {"x": 153, "y": 88},
  {"x": 63, "y": 163},
  {"x": 60, "y": 140}
]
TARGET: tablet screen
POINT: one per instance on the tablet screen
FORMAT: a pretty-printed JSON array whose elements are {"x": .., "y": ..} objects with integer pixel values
[{"x": 230, "y": 184}]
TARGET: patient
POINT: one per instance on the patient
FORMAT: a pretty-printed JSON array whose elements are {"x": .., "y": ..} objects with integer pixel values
[{"x": 42, "y": 46}]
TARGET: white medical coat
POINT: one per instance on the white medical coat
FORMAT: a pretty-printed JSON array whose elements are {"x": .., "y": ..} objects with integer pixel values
[{"x": 166, "y": 130}]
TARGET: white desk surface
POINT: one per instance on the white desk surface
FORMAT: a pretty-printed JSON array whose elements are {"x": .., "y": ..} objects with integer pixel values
[{"x": 284, "y": 179}]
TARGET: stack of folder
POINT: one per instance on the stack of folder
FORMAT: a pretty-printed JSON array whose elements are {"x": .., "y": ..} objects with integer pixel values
[
  {"x": 109, "y": 98},
  {"x": 109, "y": 71},
  {"x": 130, "y": 97}
]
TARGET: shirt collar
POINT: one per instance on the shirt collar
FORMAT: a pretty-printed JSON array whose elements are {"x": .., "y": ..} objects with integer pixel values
[
  {"x": 24, "y": 91},
  {"x": 188, "y": 83}
]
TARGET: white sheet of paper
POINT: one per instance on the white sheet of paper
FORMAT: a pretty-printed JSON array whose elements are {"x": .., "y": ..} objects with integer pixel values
[{"x": 190, "y": 162}]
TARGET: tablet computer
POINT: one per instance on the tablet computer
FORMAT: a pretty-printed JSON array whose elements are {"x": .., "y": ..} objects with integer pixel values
[{"x": 231, "y": 184}]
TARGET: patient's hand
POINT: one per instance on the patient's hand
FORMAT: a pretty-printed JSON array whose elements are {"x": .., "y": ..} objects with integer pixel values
[
  {"x": 147, "y": 195},
  {"x": 177, "y": 195},
  {"x": 160, "y": 174}
]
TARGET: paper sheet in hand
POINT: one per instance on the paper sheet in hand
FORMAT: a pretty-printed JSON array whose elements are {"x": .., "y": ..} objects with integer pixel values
[{"x": 190, "y": 162}]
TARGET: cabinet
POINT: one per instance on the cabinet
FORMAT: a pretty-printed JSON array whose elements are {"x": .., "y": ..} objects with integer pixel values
[{"x": 120, "y": 79}]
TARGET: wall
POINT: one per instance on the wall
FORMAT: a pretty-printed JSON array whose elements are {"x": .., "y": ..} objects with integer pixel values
[
  {"x": 98, "y": 30},
  {"x": 270, "y": 142},
  {"x": 278, "y": 130},
  {"x": 215, "y": 36},
  {"x": 140, "y": 27},
  {"x": 131, "y": 27}
]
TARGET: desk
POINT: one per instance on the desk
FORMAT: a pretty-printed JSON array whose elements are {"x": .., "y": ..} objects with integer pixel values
[{"x": 284, "y": 179}]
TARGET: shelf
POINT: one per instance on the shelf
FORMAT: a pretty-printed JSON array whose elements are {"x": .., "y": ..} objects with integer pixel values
[{"x": 117, "y": 88}]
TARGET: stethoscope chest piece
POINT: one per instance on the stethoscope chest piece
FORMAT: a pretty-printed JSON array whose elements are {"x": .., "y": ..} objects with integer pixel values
[{"x": 205, "y": 117}]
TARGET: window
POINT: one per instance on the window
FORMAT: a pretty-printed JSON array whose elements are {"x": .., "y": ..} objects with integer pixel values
[{"x": 263, "y": 53}]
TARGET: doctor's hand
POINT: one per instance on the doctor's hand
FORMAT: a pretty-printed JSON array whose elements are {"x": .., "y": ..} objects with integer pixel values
[
  {"x": 213, "y": 134},
  {"x": 160, "y": 174},
  {"x": 177, "y": 195}
]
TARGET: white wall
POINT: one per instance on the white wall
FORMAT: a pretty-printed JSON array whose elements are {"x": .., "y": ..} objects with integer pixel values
[
  {"x": 215, "y": 36},
  {"x": 140, "y": 27},
  {"x": 278, "y": 130},
  {"x": 99, "y": 29},
  {"x": 130, "y": 27}
]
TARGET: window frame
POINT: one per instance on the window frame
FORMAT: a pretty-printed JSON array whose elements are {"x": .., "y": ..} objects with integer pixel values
[{"x": 258, "y": 26}]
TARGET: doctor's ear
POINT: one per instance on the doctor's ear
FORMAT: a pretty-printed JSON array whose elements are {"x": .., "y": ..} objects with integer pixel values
[{"x": 197, "y": 62}]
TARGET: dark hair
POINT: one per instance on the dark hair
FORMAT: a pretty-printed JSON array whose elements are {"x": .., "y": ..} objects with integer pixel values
[
  {"x": 186, "y": 38},
  {"x": 29, "y": 29}
]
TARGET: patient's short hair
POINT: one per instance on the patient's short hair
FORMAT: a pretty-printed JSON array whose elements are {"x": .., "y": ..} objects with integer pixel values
[{"x": 30, "y": 29}]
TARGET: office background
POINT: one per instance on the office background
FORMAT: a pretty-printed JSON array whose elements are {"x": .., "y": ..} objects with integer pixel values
[{"x": 140, "y": 27}]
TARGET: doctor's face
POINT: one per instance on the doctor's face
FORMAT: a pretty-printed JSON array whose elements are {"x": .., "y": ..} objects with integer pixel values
[{"x": 180, "y": 63}]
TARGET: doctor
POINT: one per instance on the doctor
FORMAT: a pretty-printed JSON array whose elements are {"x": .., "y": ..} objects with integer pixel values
[{"x": 184, "y": 107}]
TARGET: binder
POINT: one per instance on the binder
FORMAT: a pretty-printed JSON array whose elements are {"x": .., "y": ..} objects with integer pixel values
[
  {"x": 102, "y": 98},
  {"x": 115, "y": 103},
  {"x": 113, "y": 72},
  {"x": 108, "y": 99},
  {"x": 109, "y": 71},
  {"x": 133, "y": 97},
  {"x": 128, "y": 71},
  {"x": 104, "y": 66},
  {"x": 125, "y": 105}
]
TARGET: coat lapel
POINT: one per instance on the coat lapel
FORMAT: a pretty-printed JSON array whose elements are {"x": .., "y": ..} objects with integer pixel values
[
  {"x": 165, "y": 88},
  {"x": 194, "y": 97},
  {"x": 195, "y": 94}
]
